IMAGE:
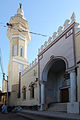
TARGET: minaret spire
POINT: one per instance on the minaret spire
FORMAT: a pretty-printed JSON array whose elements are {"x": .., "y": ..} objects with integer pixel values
[{"x": 20, "y": 11}]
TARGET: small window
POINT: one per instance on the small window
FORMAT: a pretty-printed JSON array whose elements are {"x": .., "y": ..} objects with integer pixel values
[
  {"x": 32, "y": 92},
  {"x": 21, "y": 51}
]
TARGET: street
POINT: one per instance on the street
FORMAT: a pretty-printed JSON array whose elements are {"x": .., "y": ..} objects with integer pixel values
[
  {"x": 11, "y": 116},
  {"x": 14, "y": 116}
]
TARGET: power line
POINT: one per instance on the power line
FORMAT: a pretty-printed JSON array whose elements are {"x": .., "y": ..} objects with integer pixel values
[
  {"x": 11, "y": 26},
  {"x": 32, "y": 32}
]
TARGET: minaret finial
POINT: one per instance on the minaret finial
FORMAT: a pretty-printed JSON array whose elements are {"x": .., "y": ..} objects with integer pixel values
[
  {"x": 20, "y": 5},
  {"x": 20, "y": 11}
]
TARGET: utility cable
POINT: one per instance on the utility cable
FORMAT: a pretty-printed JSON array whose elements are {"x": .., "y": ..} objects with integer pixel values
[{"x": 12, "y": 27}]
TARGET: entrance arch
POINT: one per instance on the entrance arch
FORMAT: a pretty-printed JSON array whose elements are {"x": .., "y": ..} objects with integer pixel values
[
  {"x": 49, "y": 64},
  {"x": 53, "y": 77}
]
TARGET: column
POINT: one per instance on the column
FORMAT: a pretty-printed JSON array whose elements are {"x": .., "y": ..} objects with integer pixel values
[
  {"x": 73, "y": 106},
  {"x": 42, "y": 93},
  {"x": 42, "y": 96},
  {"x": 73, "y": 86}
]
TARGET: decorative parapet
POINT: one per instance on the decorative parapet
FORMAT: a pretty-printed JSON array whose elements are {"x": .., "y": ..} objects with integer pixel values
[
  {"x": 76, "y": 25},
  {"x": 45, "y": 44},
  {"x": 66, "y": 23},
  {"x": 50, "y": 39},
  {"x": 32, "y": 64},
  {"x": 73, "y": 17},
  {"x": 60, "y": 30},
  {"x": 54, "y": 35},
  {"x": 42, "y": 47}
]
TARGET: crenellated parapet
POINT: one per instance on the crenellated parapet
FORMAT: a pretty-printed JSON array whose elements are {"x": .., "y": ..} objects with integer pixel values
[
  {"x": 31, "y": 65},
  {"x": 60, "y": 30}
]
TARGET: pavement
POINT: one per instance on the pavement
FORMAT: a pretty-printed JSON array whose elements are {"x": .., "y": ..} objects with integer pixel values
[
  {"x": 11, "y": 116},
  {"x": 44, "y": 115}
]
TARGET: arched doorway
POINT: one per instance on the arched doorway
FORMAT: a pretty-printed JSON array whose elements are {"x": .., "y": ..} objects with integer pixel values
[{"x": 53, "y": 75}]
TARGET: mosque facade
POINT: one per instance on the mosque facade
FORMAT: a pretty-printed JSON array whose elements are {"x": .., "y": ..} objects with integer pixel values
[{"x": 53, "y": 77}]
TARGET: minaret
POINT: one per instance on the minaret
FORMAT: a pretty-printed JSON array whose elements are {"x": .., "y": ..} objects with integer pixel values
[{"x": 19, "y": 36}]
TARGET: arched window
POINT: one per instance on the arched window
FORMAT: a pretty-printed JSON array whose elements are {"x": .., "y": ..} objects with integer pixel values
[
  {"x": 32, "y": 92},
  {"x": 24, "y": 92},
  {"x": 14, "y": 50}
]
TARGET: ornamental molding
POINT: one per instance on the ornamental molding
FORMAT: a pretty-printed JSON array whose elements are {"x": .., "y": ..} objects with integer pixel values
[
  {"x": 19, "y": 36},
  {"x": 19, "y": 61}
]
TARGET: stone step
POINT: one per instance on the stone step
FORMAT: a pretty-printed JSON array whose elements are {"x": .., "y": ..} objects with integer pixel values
[
  {"x": 45, "y": 115},
  {"x": 58, "y": 107}
]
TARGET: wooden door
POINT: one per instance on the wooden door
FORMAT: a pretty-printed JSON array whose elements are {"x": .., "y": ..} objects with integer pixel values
[{"x": 65, "y": 95}]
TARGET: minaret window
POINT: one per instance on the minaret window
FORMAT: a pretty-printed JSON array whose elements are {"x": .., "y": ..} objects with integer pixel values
[
  {"x": 15, "y": 50},
  {"x": 21, "y": 51}
]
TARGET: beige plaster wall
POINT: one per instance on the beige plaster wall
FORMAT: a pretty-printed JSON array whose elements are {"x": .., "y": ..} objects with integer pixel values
[
  {"x": 26, "y": 79},
  {"x": 14, "y": 81},
  {"x": 13, "y": 95}
]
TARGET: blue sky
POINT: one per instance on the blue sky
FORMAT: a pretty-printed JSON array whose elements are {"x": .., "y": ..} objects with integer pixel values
[{"x": 43, "y": 16}]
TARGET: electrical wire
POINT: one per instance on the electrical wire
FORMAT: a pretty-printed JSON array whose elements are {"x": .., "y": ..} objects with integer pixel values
[{"x": 11, "y": 26}]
